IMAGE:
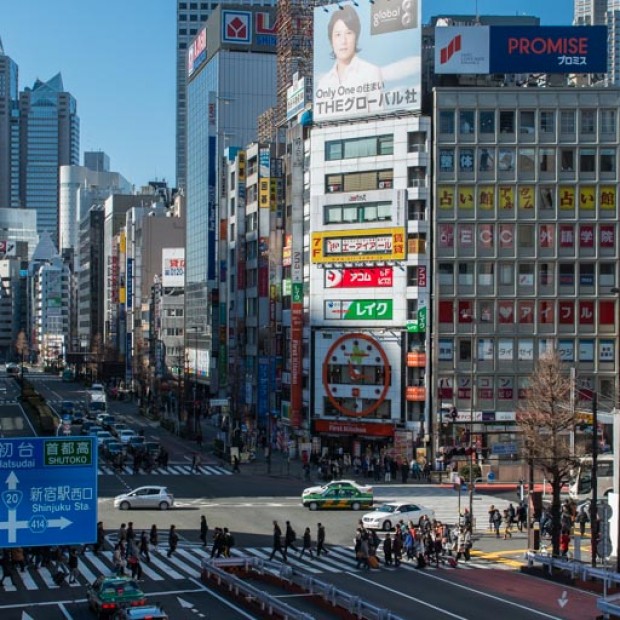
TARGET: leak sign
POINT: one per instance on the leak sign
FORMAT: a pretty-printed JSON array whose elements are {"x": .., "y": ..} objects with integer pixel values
[{"x": 48, "y": 491}]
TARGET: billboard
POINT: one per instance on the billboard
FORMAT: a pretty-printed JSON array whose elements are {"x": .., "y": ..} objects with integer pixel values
[
  {"x": 366, "y": 58},
  {"x": 295, "y": 98},
  {"x": 520, "y": 49},
  {"x": 173, "y": 267},
  {"x": 372, "y": 244},
  {"x": 363, "y": 277},
  {"x": 197, "y": 52}
]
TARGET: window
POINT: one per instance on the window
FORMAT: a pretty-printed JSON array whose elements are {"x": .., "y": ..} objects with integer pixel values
[
  {"x": 608, "y": 121},
  {"x": 359, "y": 147},
  {"x": 546, "y": 157},
  {"x": 608, "y": 160},
  {"x": 416, "y": 176},
  {"x": 526, "y": 274},
  {"x": 182, "y": 31},
  {"x": 527, "y": 160},
  {"x": 567, "y": 274},
  {"x": 182, "y": 17},
  {"x": 507, "y": 121},
  {"x": 446, "y": 160},
  {"x": 567, "y": 160},
  {"x": 466, "y": 121},
  {"x": 545, "y": 274},
  {"x": 547, "y": 198},
  {"x": 359, "y": 181},
  {"x": 527, "y": 122},
  {"x": 466, "y": 160},
  {"x": 586, "y": 274},
  {"x": 547, "y": 121},
  {"x": 587, "y": 160},
  {"x": 487, "y": 121},
  {"x": 466, "y": 274},
  {"x": 446, "y": 121},
  {"x": 360, "y": 212},
  {"x": 487, "y": 160},
  {"x": 506, "y": 274},
  {"x": 588, "y": 121},
  {"x": 567, "y": 121},
  {"x": 607, "y": 274},
  {"x": 193, "y": 18},
  {"x": 446, "y": 274},
  {"x": 485, "y": 274},
  {"x": 416, "y": 141},
  {"x": 506, "y": 161}
]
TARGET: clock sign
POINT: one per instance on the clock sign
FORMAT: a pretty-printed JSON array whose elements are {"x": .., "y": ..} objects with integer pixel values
[{"x": 354, "y": 353}]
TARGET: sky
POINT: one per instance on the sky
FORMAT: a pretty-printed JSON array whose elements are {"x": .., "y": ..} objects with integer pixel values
[{"x": 118, "y": 59}]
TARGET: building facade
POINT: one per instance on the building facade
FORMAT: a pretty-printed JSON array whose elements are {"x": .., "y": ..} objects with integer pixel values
[{"x": 9, "y": 132}]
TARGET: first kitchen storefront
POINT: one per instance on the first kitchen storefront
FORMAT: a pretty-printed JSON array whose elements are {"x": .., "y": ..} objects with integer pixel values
[{"x": 334, "y": 438}]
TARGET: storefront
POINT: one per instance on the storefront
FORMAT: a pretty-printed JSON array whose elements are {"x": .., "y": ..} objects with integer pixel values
[{"x": 335, "y": 437}]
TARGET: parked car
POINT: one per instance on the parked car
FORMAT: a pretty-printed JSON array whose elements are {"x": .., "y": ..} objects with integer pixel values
[
  {"x": 389, "y": 514},
  {"x": 145, "y": 497},
  {"x": 108, "y": 594}
]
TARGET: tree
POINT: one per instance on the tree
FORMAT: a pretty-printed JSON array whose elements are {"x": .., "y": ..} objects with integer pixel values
[
  {"x": 21, "y": 346},
  {"x": 546, "y": 419}
]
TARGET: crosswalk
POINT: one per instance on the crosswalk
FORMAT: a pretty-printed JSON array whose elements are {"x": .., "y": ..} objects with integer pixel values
[
  {"x": 171, "y": 470},
  {"x": 185, "y": 564}
]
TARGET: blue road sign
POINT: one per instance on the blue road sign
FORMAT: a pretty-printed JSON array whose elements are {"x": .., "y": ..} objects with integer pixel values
[{"x": 48, "y": 491}]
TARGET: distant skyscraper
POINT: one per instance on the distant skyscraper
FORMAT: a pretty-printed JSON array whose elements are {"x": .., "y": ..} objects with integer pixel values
[
  {"x": 589, "y": 12},
  {"x": 9, "y": 132},
  {"x": 190, "y": 18},
  {"x": 49, "y": 138}
]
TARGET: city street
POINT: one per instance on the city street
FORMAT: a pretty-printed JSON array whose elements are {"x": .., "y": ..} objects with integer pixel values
[{"x": 247, "y": 503}]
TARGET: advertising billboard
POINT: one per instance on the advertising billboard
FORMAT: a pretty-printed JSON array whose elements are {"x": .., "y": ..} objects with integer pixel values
[
  {"x": 372, "y": 244},
  {"x": 173, "y": 267},
  {"x": 366, "y": 58},
  {"x": 363, "y": 277},
  {"x": 295, "y": 98},
  {"x": 197, "y": 52},
  {"x": 520, "y": 49}
]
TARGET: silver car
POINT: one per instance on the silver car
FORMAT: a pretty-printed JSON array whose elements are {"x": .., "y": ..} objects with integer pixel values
[
  {"x": 388, "y": 515},
  {"x": 145, "y": 497}
]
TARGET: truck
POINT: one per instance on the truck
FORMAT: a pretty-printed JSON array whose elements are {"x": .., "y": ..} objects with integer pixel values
[{"x": 97, "y": 403}]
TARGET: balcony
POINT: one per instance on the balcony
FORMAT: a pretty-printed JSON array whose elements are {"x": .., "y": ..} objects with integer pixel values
[
  {"x": 416, "y": 359},
  {"x": 415, "y": 393}
]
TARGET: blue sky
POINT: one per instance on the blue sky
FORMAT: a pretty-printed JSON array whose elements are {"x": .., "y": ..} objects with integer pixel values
[{"x": 117, "y": 58}]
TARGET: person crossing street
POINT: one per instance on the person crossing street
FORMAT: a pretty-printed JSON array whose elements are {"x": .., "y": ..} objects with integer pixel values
[
  {"x": 306, "y": 544},
  {"x": 277, "y": 543},
  {"x": 320, "y": 540}
]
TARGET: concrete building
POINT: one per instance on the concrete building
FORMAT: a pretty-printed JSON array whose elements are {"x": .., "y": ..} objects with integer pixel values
[
  {"x": 49, "y": 138},
  {"x": 191, "y": 17},
  {"x": 9, "y": 132},
  {"x": 526, "y": 250},
  {"x": 226, "y": 92},
  {"x": 81, "y": 187},
  {"x": 13, "y": 295},
  {"x": 18, "y": 228}
]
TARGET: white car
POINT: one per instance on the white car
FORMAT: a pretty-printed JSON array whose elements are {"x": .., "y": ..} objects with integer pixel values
[
  {"x": 125, "y": 435},
  {"x": 145, "y": 497},
  {"x": 102, "y": 436},
  {"x": 388, "y": 515},
  {"x": 338, "y": 484}
]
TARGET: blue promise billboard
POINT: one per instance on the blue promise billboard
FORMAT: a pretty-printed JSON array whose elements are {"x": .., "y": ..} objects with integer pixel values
[{"x": 520, "y": 49}]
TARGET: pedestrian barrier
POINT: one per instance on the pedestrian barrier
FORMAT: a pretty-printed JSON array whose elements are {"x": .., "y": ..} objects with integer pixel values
[
  {"x": 610, "y": 606},
  {"x": 328, "y": 592}
]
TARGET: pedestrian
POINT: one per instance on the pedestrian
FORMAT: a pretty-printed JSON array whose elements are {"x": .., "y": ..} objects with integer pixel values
[
  {"x": 131, "y": 538},
  {"x": 397, "y": 547},
  {"x": 228, "y": 541},
  {"x": 195, "y": 463},
  {"x": 173, "y": 540},
  {"x": 497, "y": 521},
  {"x": 19, "y": 560},
  {"x": 118, "y": 560},
  {"x": 100, "y": 538},
  {"x": 154, "y": 537},
  {"x": 582, "y": 518},
  {"x": 521, "y": 516},
  {"x": 277, "y": 543},
  {"x": 133, "y": 561},
  {"x": 564, "y": 542},
  {"x": 7, "y": 567},
  {"x": 204, "y": 530},
  {"x": 289, "y": 538},
  {"x": 507, "y": 524},
  {"x": 363, "y": 553},
  {"x": 387, "y": 549},
  {"x": 307, "y": 544},
  {"x": 73, "y": 566},
  {"x": 144, "y": 546},
  {"x": 199, "y": 439},
  {"x": 218, "y": 543},
  {"x": 236, "y": 464},
  {"x": 122, "y": 533},
  {"x": 320, "y": 540}
]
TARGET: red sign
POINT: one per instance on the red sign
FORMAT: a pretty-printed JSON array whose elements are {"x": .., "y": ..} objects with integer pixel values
[
  {"x": 368, "y": 277},
  {"x": 607, "y": 236},
  {"x": 586, "y": 236},
  {"x": 421, "y": 276},
  {"x": 567, "y": 236},
  {"x": 354, "y": 428},
  {"x": 297, "y": 334},
  {"x": 566, "y": 313}
]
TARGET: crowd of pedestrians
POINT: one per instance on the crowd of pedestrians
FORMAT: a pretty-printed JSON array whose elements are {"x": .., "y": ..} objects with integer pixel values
[{"x": 283, "y": 542}]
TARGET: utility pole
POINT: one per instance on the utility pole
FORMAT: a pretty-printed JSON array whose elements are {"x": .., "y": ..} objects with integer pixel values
[{"x": 594, "y": 504}]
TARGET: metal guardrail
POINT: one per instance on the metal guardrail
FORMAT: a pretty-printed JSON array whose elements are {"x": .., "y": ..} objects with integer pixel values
[{"x": 327, "y": 591}]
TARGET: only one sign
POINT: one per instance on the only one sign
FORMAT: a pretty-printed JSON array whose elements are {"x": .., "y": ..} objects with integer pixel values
[{"x": 49, "y": 491}]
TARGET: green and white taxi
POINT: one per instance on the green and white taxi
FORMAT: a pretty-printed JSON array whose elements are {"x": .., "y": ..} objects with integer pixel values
[{"x": 338, "y": 496}]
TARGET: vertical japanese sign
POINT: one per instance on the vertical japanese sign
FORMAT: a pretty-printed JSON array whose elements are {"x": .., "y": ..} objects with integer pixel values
[{"x": 211, "y": 186}]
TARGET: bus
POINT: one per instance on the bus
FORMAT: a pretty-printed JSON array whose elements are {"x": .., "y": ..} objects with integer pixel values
[{"x": 580, "y": 488}]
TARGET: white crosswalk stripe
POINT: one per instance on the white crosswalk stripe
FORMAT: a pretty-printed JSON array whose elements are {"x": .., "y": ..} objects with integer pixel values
[
  {"x": 171, "y": 470},
  {"x": 185, "y": 563}
]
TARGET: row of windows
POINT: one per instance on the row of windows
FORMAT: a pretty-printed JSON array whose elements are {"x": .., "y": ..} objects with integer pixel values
[
  {"x": 363, "y": 212},
  {"x": 359, "y": 181},
  {"x": 507, "y": 274},
  {"x": 193, "y": 6},
  {"x": 527, "y": 160},
  {"x": 528, "y": 121},
  {"x": 359, "y": 147},
  {"x": 522, "y": 350}
]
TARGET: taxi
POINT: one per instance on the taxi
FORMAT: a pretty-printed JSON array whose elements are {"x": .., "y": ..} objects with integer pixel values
[
  {"x": 107, "y": 595},
  {"x": 345, "y": 498}
]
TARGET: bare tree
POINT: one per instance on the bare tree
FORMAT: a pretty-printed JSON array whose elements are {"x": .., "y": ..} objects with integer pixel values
[
  {"x": 546, "y": 419},
  {"x": 21, "y": 346}
]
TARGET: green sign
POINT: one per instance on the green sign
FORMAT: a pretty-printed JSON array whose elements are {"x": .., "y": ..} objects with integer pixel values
[
  {"x": 418, "y": 326},
  {"x": 369, "y": 310},
  {"x": 298, "y": 293},
  {"x": 68, "y": 452}
]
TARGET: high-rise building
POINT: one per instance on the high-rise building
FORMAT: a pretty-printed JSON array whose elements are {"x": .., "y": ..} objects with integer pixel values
[
  {"x": 191, "y": 16},
  {"x": 590, "y": 12},
  {"x": 9, "y": 132},
  {"x": 221, "y": 112},
  {"x": 49, "y": 138}
]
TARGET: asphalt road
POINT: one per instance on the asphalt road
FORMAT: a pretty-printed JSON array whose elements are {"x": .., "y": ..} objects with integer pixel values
[{"x": 247, "y": 505}]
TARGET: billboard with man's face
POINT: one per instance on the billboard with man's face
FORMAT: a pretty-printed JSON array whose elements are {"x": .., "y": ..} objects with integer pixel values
[{"x": 367, "y": 59}]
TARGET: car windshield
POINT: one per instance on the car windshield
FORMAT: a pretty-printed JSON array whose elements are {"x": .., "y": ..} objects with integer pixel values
[{"x": 386, "y": 508}]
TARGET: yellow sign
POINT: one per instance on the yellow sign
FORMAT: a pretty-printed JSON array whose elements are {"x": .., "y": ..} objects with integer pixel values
[
  {"x": 587, "y": 199},
  {"x": 486, "y": 197},
  {"x": 526, "y": 197},
  {"x": 607, "y": 197},
  {"x": 567, "y": 198},
  {"x": 346, "y": 246},
  {"x": 506, "y": 197},
  {"x": 445, "y": 197},
  {"x": 466, "y": 197},
  {"x": 263, "y": 193}
]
